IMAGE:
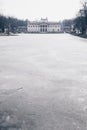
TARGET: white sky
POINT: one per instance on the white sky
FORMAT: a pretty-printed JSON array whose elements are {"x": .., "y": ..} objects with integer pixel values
[{"x": 55, "y": 10}]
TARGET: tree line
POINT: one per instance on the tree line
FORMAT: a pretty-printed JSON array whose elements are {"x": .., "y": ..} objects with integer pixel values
[
  {"x": 78, "y": 25},
  {"x": 10, "y": 23},
  {"x": 81, "y": 20}
]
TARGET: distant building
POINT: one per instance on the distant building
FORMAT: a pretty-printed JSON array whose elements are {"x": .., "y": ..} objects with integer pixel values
[
  {"x": 22, "y": 29},
  {"x": 67, "y": 29},
  {"x": 43, "y": 26}
]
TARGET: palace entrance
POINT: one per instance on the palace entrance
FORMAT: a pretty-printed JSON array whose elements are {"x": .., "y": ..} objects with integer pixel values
[{"x": 43, "y": 28}]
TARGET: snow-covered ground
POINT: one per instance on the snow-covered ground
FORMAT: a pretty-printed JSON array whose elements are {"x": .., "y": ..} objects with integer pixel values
[{"x": 43, "y": 82}]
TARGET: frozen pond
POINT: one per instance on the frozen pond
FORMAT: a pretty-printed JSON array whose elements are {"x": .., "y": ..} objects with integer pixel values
[{"x": 43, "y": 82}]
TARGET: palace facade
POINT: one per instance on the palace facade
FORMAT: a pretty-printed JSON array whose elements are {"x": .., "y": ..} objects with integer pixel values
[{"x": 43, "y": 26}]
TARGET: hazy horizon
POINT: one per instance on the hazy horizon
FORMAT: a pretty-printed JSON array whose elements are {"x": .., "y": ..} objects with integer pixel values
[{"x": 54, "y": 10}]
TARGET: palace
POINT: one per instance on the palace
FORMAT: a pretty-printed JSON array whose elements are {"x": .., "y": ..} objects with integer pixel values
[{"x": 43, "y": 26}]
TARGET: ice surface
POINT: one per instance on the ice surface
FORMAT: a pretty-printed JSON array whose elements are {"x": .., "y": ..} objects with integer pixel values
[{"x": 43, "y": 82}]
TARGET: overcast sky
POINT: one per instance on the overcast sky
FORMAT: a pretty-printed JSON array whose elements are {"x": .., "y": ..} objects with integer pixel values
[{"x": 35, "y": 9}]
